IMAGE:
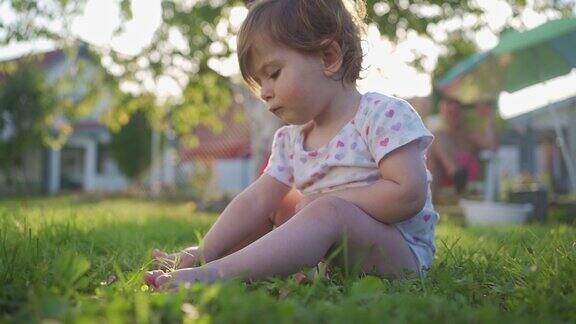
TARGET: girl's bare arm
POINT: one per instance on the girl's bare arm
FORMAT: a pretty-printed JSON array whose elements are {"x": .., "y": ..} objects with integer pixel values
[{"x": 242, "y": 216}]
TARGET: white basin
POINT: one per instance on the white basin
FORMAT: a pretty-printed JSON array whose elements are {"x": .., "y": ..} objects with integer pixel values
[{"x": 488, "y": 213}]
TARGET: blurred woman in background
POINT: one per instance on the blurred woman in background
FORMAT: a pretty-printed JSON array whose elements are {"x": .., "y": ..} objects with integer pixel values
[{"x": 453, "y": 157}]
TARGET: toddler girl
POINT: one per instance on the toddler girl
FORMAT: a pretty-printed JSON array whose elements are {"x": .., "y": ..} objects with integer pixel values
[{"x": 347, "y": 169}]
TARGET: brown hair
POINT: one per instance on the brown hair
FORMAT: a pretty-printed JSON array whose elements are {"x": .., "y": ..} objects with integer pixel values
[{"x": 305, "y": 26}]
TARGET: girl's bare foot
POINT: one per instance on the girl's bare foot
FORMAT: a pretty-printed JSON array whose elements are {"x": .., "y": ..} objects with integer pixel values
[
  {"x": 150, "y": 277},
  {"x": 186, "y": 258},
  {"x": 161, "y": 280}
]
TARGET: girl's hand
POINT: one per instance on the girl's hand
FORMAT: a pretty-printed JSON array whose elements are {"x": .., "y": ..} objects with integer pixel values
[
  {"x": 306, "y": 200},
  {"x": 186, "y": 258}
]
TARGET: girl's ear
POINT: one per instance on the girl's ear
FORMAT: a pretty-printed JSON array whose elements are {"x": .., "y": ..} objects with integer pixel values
[{"x": 331, "y": 58}]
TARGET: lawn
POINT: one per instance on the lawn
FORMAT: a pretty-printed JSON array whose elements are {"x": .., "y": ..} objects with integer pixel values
[{"x": 74, "y": 259}]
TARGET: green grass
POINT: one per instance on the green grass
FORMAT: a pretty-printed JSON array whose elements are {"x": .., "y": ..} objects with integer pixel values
[{"x": 56, "y": 256}]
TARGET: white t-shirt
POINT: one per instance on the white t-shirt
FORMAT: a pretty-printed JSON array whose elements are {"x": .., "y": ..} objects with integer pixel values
[{"x": 381, "y": 125}]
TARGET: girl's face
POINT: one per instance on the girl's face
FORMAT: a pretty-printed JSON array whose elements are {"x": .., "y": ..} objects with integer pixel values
[{"x": 292, "y": 84}]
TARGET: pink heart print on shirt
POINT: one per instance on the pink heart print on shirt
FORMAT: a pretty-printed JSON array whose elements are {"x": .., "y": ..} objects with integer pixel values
[
  {"x": 318, "y": 175},
  {"x": 339, "y": 156},
  {"x": 291, "y": 156},
  {"x": 340, "y": 144},
  {"x": 397, "y": 126},
  {"x": 385, "y": 141},
  {"x": 390, "y": 113},
  {"x": 427, "y": 217},
  {"x": 313, "y": 154}
]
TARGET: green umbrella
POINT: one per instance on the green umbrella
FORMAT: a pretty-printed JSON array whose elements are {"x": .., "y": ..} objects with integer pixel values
[{"x": 520, "y": 59}]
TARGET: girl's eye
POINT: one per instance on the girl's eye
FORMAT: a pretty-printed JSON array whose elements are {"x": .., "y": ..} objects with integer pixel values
[{"x": 275, "y": 74}]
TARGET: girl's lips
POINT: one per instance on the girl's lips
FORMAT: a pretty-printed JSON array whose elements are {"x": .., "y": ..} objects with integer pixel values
[{"x": 274, "y": 109}]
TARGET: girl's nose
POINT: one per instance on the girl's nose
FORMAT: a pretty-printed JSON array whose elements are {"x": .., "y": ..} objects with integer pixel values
[{"x": 266, "y": 93}]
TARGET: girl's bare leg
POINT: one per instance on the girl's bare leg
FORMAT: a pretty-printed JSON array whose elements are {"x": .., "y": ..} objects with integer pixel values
[
  {"x": 191, "y": 256},
  {"x": 285, "y": 211},
  {"x": 303, "y": 241}
]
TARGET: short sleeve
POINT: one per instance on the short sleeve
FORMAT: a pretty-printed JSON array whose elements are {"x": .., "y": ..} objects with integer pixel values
[
  {"x": 390, "y": 123},
  {"x": 280, "y": 165}
]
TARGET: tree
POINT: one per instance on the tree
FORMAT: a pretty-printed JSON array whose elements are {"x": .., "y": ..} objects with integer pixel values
[
  {"x": 26, "y": 106},
  {"x": 37, "y": 111},
  {"x": 131, "y": 142},
  {"x": 205, "y": 27},
  {"x": 396, "y": 19},
  {"x": 206, "y": 94},
  {"x": 458, "y": 48}
]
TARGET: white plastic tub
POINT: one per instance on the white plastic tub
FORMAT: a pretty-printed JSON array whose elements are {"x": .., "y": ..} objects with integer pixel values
[{"x": 492, "y": 213}]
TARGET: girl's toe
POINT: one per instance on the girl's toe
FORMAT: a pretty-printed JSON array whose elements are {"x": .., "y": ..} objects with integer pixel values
[
  {"x": 157, "y": 254},
  {"x": 151, "y": 276},
  {"x": 162, "y": 280},
  {"x": 161, "y": 259}
]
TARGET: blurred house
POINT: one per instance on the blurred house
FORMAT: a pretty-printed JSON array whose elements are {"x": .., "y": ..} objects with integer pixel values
[
  {"x": 84, "y": 161},
  {"x": 227, "y": 153}
]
